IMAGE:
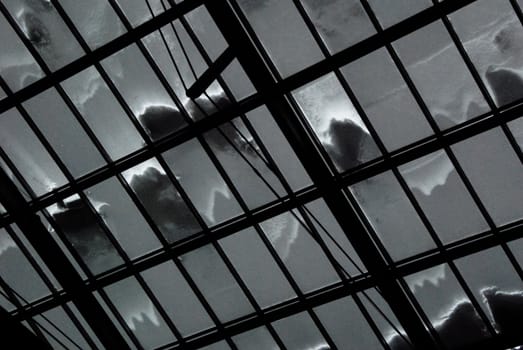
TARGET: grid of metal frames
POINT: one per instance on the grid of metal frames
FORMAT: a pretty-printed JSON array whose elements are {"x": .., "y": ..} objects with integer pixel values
[{"x": 378, "y": 287}]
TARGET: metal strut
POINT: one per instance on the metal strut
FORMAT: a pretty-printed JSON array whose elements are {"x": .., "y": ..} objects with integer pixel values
[{"x": 314, "y": 164}]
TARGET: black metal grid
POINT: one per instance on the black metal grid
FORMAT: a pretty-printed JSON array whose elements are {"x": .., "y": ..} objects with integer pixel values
[{"x": 327, "y": 183}]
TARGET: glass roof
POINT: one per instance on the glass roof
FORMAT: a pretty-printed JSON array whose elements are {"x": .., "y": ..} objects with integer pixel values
[{"x": 351, "y": 179}]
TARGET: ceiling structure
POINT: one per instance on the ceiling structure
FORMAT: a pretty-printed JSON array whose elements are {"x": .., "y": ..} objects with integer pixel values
[{"x": 262, "y": 174}]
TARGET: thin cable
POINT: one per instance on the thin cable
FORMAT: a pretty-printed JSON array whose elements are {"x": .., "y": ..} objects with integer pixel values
[
  {"x": 45, "y": 318},
  {"x": 258, "y": 174},
  {"x": 34, "y": 320}
]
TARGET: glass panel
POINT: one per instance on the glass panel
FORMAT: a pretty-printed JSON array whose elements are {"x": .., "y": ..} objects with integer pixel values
[
  {"x": 279, "y": 148},
  {"x": 61, "y": 320},
  {"x": 517, "y": 249},
  {"x": 516, "y": 127},
  {"x": 161, "y": 200},
  {"x": 84, "y": 324},
  {"x": 257, "y": 268},
  {"x": 336, "y": 122},
  {"x": 4, "y": 301},
  {"x": 217, "y": 346},
  {"x": 257, "y": 339},
  {"x": 447, "y": 307},
  {"x": 237, "y": 81},
  {"x": 347, "y": 326},
  {"x": 121, "y": 216},
  {"x": 491, "y": 33},
  {"x": 216, "y": 283},
  {"x": 45, "y": 29},
  {"x": 495, "y": 172},
  {"x": 177, "y": 299},
  {"x": 441, "y": 76},
  {"x": 139, "y": 313},
  {"x": 340, "y": 23},
  {"x": 17, "y": 65},
  {"x": 80, "y": 227},
  {"x": 62, "y": 246},
  {"x": 208, "y": 191},
  {"x": 193, "y": 55},
  {"x": 14, "y": 178},
  {"x": 392, "y": 216},
  {"x": 62, "y": 131},
  {"x": 496, "y": 286},
  {"x": 386, "y": 99},
  {"x": 17, "y": 272},
  {"x": 115, "y": 321},
  {"x": 103, "y": 114},
  {"x": 28, "y": 154},
  {"x": 36, "y": 257},
  {"x": 340, "y": 247},
  {"x": 390, "y": 12},
  {"x": 283, "y": 33},
  {"x": 95, "y": 20},
  {"x": 389, "y": 326},
  {"x": 443, "y": 197},
  {"x": 207, "y": 32},
  {"x": 163, "y": 56},
  {"x": 137, "y": 12},
  {"x": 298, "y": 332},
  {"x": 299, "y": 251},
  {"x": 141, "y": 89},
  {"x": 235, "y": 153}
]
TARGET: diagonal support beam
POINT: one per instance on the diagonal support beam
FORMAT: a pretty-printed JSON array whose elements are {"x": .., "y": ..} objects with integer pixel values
[
  {"x": 54, "y": 257},
  {"x": 15, "y": 334},
  {"x": 211, "y": 74},
  {"x": 313, "y": 162}
]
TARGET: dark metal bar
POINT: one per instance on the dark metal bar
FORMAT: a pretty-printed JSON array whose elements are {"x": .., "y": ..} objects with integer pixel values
[
  {"x": 64, "y": 272},
  {"x": 426, "y": 260},
  {"x": 211, "y": 74},
  {"x": 100, "y": 53},
  {"x": 299, "y": 139},
  {"x": 13, "y": 332}
]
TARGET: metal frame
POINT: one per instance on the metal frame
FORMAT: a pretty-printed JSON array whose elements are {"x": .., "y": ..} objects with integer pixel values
[{"x": 273, "y": 92}]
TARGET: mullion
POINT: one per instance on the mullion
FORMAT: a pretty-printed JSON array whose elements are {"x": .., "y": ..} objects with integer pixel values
[
  {"x": 55, "y": 294},
  {"x": 64, "y": 170},
  {"x": 406, "y": 154},
  {"x": 41, "y": 138},
  {"x": 406, "y": 188},
  {"x": 466, "y": 247},
  {"x": 376, "y": 138},
  {"x": 165, "y": 245},
  {"x": 245, "y": 208},
  {"x": 437, "y": 132},
  {"x": 100, "y": 221},
  {"x": 481, "y": 85},
  {"x": 309, "y": 228},
  {"x": 219, "y": 325},
  {"x": 119, "y": 318},
  {"x": 275, "y": 73},
  {"x": 18, "y": 305},
  {"x": 430, "y": 229},
  {"x": 236, "y": 194},
  {"x": 408, "y": 25},
  {"x": 89, "y": 274},
  {"x": 71, "y": 249},
  {"x": 295, "y": 132},
  {"x": 101, "y": 52}
]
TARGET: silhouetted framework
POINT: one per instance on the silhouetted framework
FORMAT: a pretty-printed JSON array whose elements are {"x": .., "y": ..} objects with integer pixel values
[{"x": 272, "y": 91}]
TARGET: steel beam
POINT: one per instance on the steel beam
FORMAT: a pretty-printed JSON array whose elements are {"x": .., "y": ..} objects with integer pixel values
[
  {"x": 17, "y": 336},
  {"x": 54, "y": 257},
  {"x": 313, "y": 162}
]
